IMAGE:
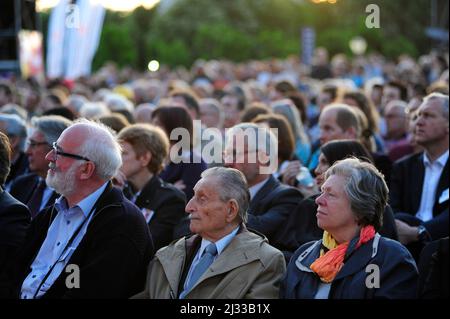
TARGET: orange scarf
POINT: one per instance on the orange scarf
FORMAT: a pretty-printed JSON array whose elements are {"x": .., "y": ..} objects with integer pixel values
[{"x": 328, "y": 265}]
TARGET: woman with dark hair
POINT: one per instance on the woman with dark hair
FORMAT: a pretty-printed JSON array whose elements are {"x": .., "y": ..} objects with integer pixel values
[
  {"x": 302, "y": 224},
  {"x": 185, "y": 166},
  {"x": 351, "y": 260}
]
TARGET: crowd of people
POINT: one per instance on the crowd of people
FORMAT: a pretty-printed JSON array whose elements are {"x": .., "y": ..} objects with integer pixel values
[{"x": 264, "y": 179}]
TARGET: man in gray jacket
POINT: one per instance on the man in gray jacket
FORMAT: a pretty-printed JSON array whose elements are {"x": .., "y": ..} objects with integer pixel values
[{"x": 223, "y": 259}]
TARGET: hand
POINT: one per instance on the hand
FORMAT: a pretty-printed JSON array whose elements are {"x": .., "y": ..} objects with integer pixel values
[
  {"x": 291, "y": 172},
  {"x": 406, "y": 233},
  {"x": 308, "y": 191},
  {"x": 179, "y": 184},
  {"x": 119, "y": 179}
]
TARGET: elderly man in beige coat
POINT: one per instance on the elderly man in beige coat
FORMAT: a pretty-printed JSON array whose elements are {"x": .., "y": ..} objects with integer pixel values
[{"x": 223, "y": 259}]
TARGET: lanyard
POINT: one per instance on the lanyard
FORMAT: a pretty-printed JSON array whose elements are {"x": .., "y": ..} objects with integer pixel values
[{"x": 72, "y": 238}]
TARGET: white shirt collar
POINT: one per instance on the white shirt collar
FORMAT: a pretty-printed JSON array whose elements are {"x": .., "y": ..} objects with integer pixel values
[
  {"x": 441, "y": 159},
  {"x": 256, "y": 188},
  {"x": 85, "y": 204},
  {"x": 221, "y": 244}
]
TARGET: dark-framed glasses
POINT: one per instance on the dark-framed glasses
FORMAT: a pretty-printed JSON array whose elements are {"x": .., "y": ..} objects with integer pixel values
[
  {"x": 33, "y": 144},
  {"x": 61, "y": 153}
]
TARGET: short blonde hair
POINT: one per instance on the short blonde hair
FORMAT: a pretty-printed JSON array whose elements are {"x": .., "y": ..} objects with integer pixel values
[{"x": 147, "y": 138}]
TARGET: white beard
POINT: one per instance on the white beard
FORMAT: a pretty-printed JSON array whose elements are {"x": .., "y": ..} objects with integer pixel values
[{"x": 62, "y": 183}]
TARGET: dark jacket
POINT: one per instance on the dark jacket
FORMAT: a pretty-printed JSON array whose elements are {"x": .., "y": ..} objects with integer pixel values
[
  {"x": 23, "y": 187},
  {"x": 18, "y": 168},
  {"x": 434, "y": 270},
  {"x": 397, "y": 272},
  {"x": 112, "y": 256},
  {"x": 168, "y": 204},
  {"x": 14, "y": 222},
  {"x": 406, "y": 192},
  {"x": 270, "y": 209},
  {"x": 189, "y": 173},
  {"x": 302, "y": 227}
]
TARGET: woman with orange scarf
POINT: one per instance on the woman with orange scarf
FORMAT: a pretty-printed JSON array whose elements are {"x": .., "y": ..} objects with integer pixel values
[{"x": 352, "y": 261}]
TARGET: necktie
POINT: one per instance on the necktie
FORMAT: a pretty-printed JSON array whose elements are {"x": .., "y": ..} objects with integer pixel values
[
  {"x": 205, "y": 261},
  {"x": 36, "y": 198}
]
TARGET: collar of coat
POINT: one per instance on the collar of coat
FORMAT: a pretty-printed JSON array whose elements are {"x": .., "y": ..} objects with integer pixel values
[
  {"x": 355, "y": 261},
  {"x": 243, "y": 249}
]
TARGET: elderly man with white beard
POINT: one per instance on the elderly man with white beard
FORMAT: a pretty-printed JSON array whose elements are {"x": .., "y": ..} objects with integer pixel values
[{"x": 93, "y": 242}]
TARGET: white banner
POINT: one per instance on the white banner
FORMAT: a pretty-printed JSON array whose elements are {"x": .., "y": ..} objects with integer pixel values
[{"x": 74, "y": 35}]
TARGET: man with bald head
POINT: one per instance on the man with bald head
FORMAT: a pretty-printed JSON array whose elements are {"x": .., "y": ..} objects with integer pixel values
[{"x": 93, "y": 242}]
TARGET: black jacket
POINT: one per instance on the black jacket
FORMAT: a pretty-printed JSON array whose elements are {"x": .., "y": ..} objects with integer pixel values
[
  {"x": 168, "y": 204},
  {"x": 270, "y": 209},
  {"x": 112, "y": 256},
  {"x": 406, "y": 192},
  {"x": 18, "y": 168},
  {"x": 23, "y": 187},
  {"x": 14, "y": 222}
]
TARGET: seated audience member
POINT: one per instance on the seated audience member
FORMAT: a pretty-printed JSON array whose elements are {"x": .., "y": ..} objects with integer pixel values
[
  {"x": 14, "y": 216},
  {"x": 185, "y": 168},
  {"x": 286, "y": 144},
  {"x": 302, "y": 227},
  {"x": 16, "y": 130},
  {"x": 271, "y": 202},
  {"x": 32, "y": 189},
  {"x": 350, "y": 208},
  {"x": 223, "y": 260},
  {"x": 114, "y": 121},
  {"x": 420, "y": 182},
  {"x": 144, "y": 149},
  {"x": 397, "y": 123},
  {"x": 92, "y": 225}
]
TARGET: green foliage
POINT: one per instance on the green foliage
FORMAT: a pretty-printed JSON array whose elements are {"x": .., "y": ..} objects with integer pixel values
[{"x": 240, "y": 30}]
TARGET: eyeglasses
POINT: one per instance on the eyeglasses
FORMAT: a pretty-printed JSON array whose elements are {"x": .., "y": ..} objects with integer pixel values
[
  {"x": 58, "y": 152},
  {"x": 33, "y": 144}
]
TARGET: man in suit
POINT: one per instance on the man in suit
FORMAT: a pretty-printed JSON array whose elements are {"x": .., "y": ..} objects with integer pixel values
[
  {"x": 145, "y": 148},
  {"x": 223, "y": 260},
  {"x": 93, "y": 242},
  {"x": 420, "y": 182},
  {"x": 31, "y": 189},
  {"x": 253, "y": 151},
  {"x": 14, "y": 216},
  {"x": 16, "y": 130}
]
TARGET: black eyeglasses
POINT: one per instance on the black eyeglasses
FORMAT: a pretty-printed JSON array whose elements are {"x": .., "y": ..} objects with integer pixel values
[
  {"x": 33, "y": 144},
  {"x": 78, "y": 157}
]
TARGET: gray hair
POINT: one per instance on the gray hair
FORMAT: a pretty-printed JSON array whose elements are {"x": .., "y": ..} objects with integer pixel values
[
  {"x": 442, "y": 98},
  {"x": 90, "y": 110},
  {"x": 51, "y": 126},
  {"x": 76, "y": 101},
  {"x": 12, "y": 108},
  {"x": 270, "y": 139},
  {"x": 232, "y": 185},
  {"x": 101, "y": 148},
  {"x": 116, "y": 102},
  {"x": 15, "y": 126},
  {"x": 287, "y": 109},
  {"x": 366, "y": 189}
]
